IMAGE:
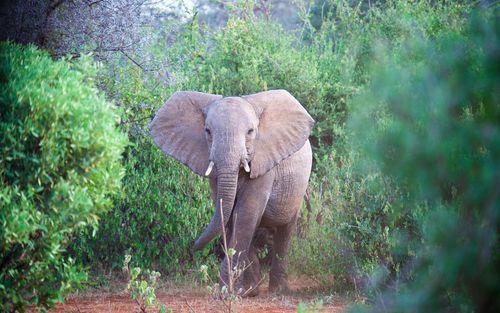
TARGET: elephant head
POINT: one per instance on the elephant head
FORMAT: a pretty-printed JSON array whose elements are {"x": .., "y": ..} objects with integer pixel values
[{"x": 217, "y": 137}]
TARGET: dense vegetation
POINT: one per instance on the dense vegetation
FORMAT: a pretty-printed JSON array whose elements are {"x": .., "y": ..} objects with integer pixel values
[
  {"x": 436, "y": 135},
  {"x": 59, "y": 165},
  {"x": 404, "y": 206}
]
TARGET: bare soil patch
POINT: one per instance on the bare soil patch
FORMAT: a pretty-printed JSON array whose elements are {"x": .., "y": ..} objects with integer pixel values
[{"x": 196, "y": 299}]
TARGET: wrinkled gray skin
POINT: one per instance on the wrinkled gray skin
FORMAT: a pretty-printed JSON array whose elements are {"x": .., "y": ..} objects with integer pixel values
[{"x": 268, "y": 131}]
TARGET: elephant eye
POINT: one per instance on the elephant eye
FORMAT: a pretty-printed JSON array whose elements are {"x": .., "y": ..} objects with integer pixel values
[
  {"x": 207, "y": 131},
  {"x": 250, "y": 131}
]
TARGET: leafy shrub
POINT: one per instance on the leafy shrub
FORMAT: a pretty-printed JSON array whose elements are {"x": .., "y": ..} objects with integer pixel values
[
  {"x": 142, "y": 287},
  {"x": 343, "y": 48},
  {"x": 438, "y": 138},
  {"x": 59, "y": 166},
  {"x": 246, "y": 56},
  {"x": 352, "y": 228}
]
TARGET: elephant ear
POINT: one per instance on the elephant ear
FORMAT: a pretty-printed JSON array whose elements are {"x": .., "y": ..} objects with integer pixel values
[
  {"x": 178, "y": 128},
  {"x": 284, "y": 127}
]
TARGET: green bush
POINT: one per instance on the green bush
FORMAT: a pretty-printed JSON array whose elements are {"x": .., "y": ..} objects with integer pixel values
[
  {"x": 59, "y": 166},
  {"x": 343, "y": 46},
  {"x": 353, "y": 228},
  {"x": 246, "y": 56},
  {"x": 437, "y": 138}
]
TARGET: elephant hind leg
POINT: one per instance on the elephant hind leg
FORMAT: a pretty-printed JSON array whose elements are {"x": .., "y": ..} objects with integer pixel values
[
  {"x": 263, "y": 243},
  {"x": 278, "y": 277}
]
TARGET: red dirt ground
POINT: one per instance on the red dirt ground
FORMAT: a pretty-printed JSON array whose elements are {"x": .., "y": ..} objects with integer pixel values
[{"x": 184, "y": 299}]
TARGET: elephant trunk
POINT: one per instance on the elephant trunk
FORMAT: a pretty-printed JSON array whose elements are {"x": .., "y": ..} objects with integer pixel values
[{"x": 226, "y": 190}]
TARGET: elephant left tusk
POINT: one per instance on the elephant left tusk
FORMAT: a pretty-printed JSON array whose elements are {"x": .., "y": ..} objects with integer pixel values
[
  {"x": 209, "y": 169},
  {"x": 245, "y": 166}
]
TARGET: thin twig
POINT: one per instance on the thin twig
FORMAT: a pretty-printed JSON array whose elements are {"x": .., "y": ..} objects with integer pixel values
[
  {"x": 94, "y": 2},
  {"x": 143, "y": 309},
  {"x": 77, "y": 307},
  {"x": 190, "y": 307},
  {"x": 135, "y": 121},
  {"x": 229, "y": 258},
  {"x": 226, "y": 252},
  {"x": 253, "y": 288},
  {"x": 131, "y": 59}
]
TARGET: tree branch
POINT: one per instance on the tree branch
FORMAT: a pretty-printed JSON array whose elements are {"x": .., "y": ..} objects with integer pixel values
[{"x": 133, "y": 61}]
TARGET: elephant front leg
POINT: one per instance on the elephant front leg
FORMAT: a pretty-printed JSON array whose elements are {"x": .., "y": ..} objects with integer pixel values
[
  {"x": 244, "y": 273},
  {"x": 253, "y": 275},
  {"x": 240, "y": 273},
  {"x": 278, "y": 277}
]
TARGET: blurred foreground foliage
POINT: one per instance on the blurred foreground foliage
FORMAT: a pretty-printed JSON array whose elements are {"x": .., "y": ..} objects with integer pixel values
[
  {"x": 59, "y": 165},
  {"x": 437, "y": 135}
]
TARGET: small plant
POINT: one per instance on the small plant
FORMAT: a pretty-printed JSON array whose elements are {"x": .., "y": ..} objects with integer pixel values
[
  {"x": 142, "y": 287},
  {"x": 226, "y": 293},
  {"x": 316, "y": 306}
]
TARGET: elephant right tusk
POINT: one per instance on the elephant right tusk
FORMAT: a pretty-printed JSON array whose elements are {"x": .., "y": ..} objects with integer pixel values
[
  {"x": 245, "y": 165},
  {"x": 209, "y": 169}
]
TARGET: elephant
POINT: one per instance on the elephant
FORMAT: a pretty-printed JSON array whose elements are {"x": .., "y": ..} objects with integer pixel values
[{"x": 256, "y": 154}]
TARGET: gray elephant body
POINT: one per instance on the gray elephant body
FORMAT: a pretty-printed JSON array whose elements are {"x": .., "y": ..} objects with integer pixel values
[{"x": 262, "y": 158}]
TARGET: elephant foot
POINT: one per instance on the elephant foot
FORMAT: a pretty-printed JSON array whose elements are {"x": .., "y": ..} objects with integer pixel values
[
  {"x": 248, "y": 291},
  {"x": 279, "y": 287},
  {"x": 252, "y": 291}
]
